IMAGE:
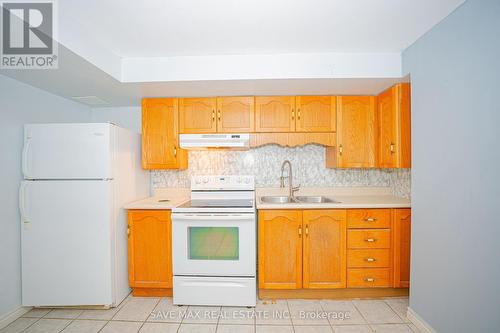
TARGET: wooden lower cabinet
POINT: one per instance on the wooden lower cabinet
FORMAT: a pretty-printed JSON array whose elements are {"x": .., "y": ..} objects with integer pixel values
[
  {"x": 325, "y": 249},
  {"x": 280, "y": 249},
  {"x": 150, "y": 252},
  {"x": 302, "y": 249}
]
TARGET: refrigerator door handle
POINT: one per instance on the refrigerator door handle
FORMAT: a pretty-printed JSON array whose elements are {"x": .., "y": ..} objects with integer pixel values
[
  {"x": 22, "y": 202},
  {"x": 25, "y": 156}
]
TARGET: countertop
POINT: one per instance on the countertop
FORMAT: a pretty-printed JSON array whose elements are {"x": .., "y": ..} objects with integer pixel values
[
  {"x": 165, "y": 198},
  {"x": 348, "y": 197}
]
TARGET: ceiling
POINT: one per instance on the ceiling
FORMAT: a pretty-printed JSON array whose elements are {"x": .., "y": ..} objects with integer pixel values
[
  {"x": 121, "y": 51},
  {"x": 159, "y": 28}
]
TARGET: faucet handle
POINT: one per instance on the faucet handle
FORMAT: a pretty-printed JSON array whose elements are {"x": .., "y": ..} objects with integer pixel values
[{"x": 296, "y": 188}]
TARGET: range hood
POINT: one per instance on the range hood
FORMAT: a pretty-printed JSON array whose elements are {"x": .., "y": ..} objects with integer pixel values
[{"x": 205, "y": 141}]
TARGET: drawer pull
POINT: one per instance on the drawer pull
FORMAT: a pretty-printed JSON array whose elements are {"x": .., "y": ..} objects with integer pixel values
[
  {"x": 370, "y": 259},
  {"x": 369, "y": 279},
  {"x": 370, "y": 219},
  {"x": 370, "y": 240}
]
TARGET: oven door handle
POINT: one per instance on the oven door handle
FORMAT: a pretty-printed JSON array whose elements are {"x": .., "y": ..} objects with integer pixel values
[{"x": 213, "y": 217}]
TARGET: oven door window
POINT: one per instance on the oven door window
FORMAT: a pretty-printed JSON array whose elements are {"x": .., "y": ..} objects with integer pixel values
[{"x": 213, "y": 243}]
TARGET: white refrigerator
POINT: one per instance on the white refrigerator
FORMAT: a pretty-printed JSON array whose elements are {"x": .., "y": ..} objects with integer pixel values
[{"x": 77, "y": 177}]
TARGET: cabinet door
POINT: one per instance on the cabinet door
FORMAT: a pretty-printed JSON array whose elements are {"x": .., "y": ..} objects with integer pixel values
[
  {"x": 394, "y": 127},
  {"x": 316, "y": 113},
  {"x": 275, "y": 114},
  {"x": 197, "y": 115},
  {"x": 324, "y": 248},
  {"x": 150, "y": 249},
  {"x": 280, "y": 249},
  {"x": 401, "y": 245},
  {"x": 160, "y": 135},
  {"x": 355, "y": 131},
  {"x": 235, "y": 114}
]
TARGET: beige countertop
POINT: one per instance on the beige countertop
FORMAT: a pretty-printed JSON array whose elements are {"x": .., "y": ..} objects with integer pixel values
[
  {"x": 165, "y": 198},
  {"x": 348, "y": 197}
]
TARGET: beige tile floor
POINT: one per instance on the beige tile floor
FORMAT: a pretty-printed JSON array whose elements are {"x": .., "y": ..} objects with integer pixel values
[{"x": 159, "y": 315}]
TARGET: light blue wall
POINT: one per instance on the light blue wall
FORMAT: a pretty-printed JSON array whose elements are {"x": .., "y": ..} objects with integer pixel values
[
  {"x": 455, "y": 75},
  {"x": 20, "y": 104}
]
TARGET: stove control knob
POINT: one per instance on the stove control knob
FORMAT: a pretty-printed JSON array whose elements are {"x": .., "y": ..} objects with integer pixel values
[
  {"x": 205, "y": 180},
  {"x": 239, "y": 180},
  {"x": 197, "y": 180},
  {"x": 247, "y": 180}
]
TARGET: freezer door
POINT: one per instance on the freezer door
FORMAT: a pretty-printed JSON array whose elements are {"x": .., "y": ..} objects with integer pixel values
[
  {"x": 67, "y": 243},
  {"x": 67, "y": 151}
]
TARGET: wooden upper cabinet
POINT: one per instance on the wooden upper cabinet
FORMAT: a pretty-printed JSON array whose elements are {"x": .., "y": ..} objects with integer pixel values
[
  {"x": 280, "y": 249},
  {"x": 150, "y": 249},
  {"x": 160, "y": 135},
  {"x": 355, "y": 131},
  {"x": 275, "y": 114},
  {"x": 316, "y": 113},
  {"x": 401, "y": 247},
  {"x": 198, "y": 115},
  {"x": 394, "y": 127},
  {"x": 235, "y": 114},
  {"x": 324, "y": 248}
]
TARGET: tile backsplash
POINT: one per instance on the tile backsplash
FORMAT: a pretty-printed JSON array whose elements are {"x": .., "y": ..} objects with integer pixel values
[{"x": 264, "y": 163}]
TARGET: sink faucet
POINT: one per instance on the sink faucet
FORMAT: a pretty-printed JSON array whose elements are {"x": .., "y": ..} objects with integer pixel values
[{"x": 291, "y": 189}]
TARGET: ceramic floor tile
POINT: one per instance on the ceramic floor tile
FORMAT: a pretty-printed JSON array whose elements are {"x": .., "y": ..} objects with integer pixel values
[
  {"x": 272, "y": 313},
  {"x": 137, "y": 309},
  {"x": 36, "y": 313},
  {"x": 377, "y": 312},
  {"x": 18, "y": 325},
  {"x": 342, "y": 312},
  {"x": 121, "y": 327},
  {"x": 307, "y": 312},
  {"x": 392, "y": 328},
  {"x": 237, "y": 315},
  {"x": 85, "y": 326},
  {"x": 400, "y": 306},
  {"x": 273, "y": 329},
  {"x": 352, "y": 329},
  {"x": 48, "y": 326},
  {"x": 202, "y": 314},
  {"x": 98, "y": 314},
  {"x": 235, "y": 328},
  {"x": 63, "y": 314},
  {"x": 166, "y": 311},
  {"x": 197, "y": 328},
  {"x": 313, "y": 329},
  {"x": 159, "y": 328}
]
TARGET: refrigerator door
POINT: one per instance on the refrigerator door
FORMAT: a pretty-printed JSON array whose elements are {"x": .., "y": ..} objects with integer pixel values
[
  {"x": 67, "y": 243},
  {"x": 67, "y": 151}
]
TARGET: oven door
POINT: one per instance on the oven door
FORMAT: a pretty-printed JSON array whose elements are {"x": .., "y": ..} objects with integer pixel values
[{"x": 213, "y": 244}]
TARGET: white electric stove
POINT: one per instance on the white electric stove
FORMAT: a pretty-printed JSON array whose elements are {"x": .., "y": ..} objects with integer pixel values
[{"x": 214, "y": 243}]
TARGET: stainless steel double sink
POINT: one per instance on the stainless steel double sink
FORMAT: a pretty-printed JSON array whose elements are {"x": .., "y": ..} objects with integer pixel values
[{"x": 297, "y": 200}]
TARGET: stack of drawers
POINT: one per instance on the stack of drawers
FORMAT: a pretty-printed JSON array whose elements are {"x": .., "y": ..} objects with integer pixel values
[{"x": 368, "y": 248}]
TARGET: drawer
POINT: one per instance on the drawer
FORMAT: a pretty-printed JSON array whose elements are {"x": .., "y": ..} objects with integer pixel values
[
  {"x": 368, "y": 277},
  {"x": 368, "y": 238},
  {"x": 368, "y": 258},
  {"x": 369, "y": 218}
]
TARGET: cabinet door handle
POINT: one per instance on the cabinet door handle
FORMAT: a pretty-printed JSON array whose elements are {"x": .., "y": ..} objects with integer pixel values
[
  {"x": 293, "y": 114},
  {"x": 300, "y": 231},
  {"x": 341, "y": 150},
  {"x": 218, "y": 115},
  {"x": 370, "y": 240},
  {"x": 128, "y": 231},
  {"x": 370, "y": 219},
  {"x": 392, "y": 148},
  {"x": 213, "y": 115},
  {"x": 370, "y": 259},
  {"x": 175, "y": 151},
  {"x": 298, "y": 114},
  {"x": 369, "y": 279},
  {"x": 307, "y": 230}
]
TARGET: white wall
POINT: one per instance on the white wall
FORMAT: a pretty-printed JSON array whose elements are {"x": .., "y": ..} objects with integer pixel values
[
  {"x": 127, "y": 117},
  {"x": 455, "y": 263},
  {"x": 20, "y": 104}
]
